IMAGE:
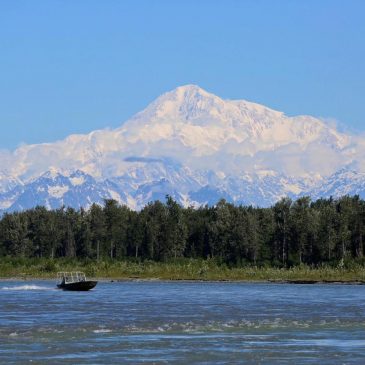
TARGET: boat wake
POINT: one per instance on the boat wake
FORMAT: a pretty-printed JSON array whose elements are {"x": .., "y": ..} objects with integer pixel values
[
  {"x": 27, "y": 287},
  {"x": 103, "y": 330}
]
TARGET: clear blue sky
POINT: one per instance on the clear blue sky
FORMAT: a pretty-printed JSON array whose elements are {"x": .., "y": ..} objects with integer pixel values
[{"x": 78, "y": 65}]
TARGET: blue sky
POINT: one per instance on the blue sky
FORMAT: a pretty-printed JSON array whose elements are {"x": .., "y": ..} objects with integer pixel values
[{"x": 75, "y": 66}]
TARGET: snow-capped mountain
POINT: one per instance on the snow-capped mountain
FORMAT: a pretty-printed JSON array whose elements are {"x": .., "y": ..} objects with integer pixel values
[
  {"x": 343, "y": 182},
  {"x": 194, "y": 146},
  {"x": 53, "y": 190}
]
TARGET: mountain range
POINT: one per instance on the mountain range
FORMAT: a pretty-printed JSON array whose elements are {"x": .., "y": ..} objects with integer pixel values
[{"x": 194, "y": 146}]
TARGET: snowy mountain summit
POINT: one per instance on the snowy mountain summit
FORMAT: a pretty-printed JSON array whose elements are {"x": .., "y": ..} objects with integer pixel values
[{"x": 194, "y": 146}]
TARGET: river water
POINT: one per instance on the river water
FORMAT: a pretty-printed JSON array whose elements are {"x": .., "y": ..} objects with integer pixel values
[{"x": 182, "y": 323}]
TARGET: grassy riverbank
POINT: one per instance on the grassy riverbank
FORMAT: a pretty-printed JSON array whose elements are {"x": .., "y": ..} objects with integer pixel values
[{"x": 187, "y": 269}]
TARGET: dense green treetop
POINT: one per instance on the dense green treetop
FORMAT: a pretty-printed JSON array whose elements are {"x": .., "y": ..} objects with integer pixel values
[{"x": 286, "y": 234}]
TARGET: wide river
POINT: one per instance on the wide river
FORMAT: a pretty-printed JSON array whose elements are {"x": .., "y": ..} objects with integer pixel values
[{"x": 182, "y": 323}]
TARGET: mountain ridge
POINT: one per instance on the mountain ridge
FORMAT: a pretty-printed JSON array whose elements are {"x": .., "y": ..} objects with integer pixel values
[{"x": 185, "y": 142}]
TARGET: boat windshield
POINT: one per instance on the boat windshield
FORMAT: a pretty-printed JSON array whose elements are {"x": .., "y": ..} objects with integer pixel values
[{"x": 71, "y": 277}]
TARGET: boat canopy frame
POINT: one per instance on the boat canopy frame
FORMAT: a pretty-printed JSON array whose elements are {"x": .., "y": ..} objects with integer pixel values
[{"x": 71, "y": 277}]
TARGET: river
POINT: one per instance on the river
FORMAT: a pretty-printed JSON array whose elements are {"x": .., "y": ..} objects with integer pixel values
[{"x": 157, "y": 322}]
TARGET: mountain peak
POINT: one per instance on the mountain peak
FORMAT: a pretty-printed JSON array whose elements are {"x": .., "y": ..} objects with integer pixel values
[
  {"x": 185, "y": 102},
  {"x": 189, "y": 123},
  {"x": 192, "y": 103},
  {"x": 189, "y": 90},
  {"x": 188, "y": 96},
  {"x": 192, "y": 139}
]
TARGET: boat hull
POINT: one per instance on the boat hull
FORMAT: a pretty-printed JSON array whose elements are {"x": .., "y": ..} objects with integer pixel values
[{"x": 78, "y": 286}]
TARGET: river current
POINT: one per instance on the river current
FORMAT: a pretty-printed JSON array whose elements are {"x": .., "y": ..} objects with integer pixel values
[{"x": 182, "y": 323}]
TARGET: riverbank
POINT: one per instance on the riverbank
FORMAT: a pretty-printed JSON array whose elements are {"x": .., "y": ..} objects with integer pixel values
[{"x": 202, "y": 270}]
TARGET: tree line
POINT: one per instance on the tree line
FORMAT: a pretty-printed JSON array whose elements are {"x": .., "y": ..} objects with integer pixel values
[{"x": 286, "y": 234}]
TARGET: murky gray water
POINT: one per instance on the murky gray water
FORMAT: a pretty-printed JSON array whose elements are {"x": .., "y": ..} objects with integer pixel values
[{"x": 182, "y": 323}]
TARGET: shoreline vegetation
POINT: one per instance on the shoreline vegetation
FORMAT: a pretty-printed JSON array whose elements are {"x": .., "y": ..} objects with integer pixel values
[
  {"x": 293, "y": 241},
  {"x": 180, "y": 269}
]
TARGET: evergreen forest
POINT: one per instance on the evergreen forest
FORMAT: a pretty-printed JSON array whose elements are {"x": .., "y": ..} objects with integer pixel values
[{"x": 287, "y": 234}]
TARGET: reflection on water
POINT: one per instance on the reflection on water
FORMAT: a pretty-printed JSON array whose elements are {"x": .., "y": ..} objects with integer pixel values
[{"x": 182, "y": 322}]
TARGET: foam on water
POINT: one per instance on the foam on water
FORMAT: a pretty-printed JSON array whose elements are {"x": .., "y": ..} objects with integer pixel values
[
  {"x": 27, "y": 287},
  {"x": 104, "y": 330},
  {"x": 241, "y": 325}
]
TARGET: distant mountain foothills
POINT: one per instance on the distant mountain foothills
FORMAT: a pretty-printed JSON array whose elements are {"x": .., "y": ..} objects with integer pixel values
[{"x": 195, "y": 147}]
